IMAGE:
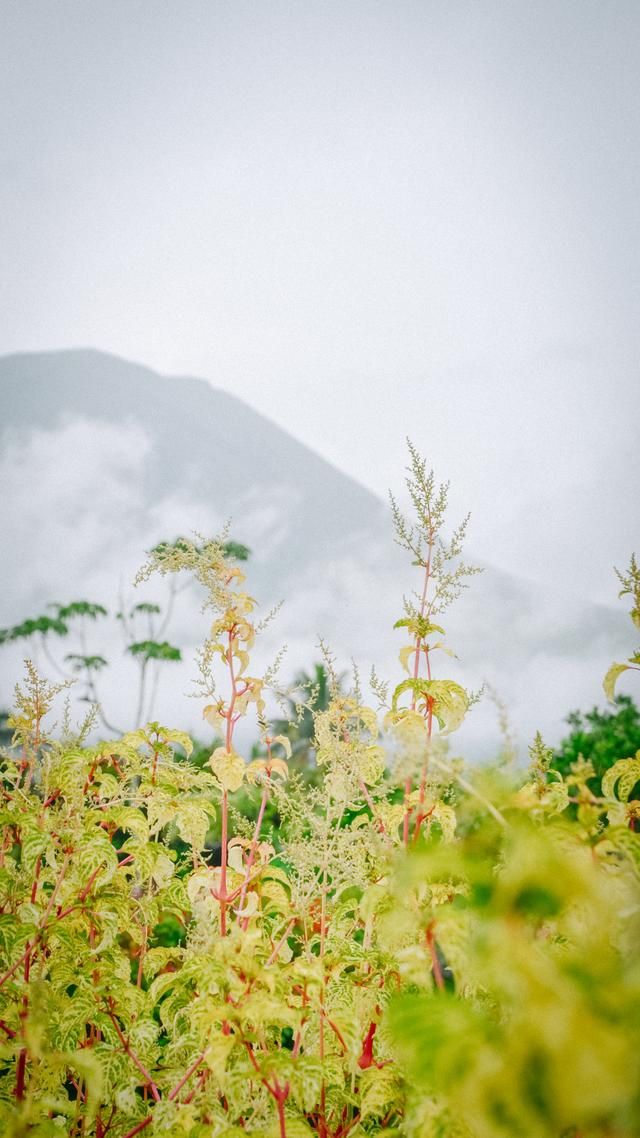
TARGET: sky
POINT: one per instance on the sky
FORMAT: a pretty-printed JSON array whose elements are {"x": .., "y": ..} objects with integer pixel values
[{"x": 367, "y": 219}]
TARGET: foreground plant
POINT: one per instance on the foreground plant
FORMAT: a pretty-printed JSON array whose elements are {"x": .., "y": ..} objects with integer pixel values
[{"x": 370, "y": 966}]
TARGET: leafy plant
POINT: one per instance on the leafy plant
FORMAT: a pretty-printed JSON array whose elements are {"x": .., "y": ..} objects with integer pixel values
[{"x": 416, "y": 949}]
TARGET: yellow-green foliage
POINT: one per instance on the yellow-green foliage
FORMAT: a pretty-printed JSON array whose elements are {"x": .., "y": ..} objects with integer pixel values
[{"x": 417, "y": 949}]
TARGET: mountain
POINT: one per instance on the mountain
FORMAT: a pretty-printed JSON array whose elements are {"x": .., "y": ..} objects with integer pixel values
[
  {"x": 204, "y": 442},
  {"x": 101, "y": 458}
]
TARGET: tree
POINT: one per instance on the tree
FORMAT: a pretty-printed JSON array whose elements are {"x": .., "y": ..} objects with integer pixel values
[{"x": 600, "y": 737}]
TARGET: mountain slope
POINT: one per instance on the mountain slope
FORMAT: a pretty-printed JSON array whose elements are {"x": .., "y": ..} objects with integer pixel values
[{"x": 204, "y": 441}]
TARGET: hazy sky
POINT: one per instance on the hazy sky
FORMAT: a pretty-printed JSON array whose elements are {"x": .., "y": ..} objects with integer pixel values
[{"x": 367, "y": 219}]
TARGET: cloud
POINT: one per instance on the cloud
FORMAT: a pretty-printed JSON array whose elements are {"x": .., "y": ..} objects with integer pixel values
[
  {"x": 77, "y": 514},
  {"x": 72, "y": 497}
]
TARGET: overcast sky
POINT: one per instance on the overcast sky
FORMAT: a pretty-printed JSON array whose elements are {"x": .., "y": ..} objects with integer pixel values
[{"x": 366, "y": 218}]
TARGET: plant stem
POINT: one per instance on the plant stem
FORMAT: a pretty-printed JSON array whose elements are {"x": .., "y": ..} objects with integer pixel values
[
  {"x": 138, "y": 1127},
  {"x": 143, "y": 947},
  {"x": 280, "y": 1101},
  {"x": 252, "y": 851},
  {"x": 224, "y": 842},
  {"x": 187, "y": 1075},
  {"x": 280, "y": 943},
  {"x": 435, "y": 962},
  {"x": 141, "y": 692},
  {"x": 132, "y": 1055}
]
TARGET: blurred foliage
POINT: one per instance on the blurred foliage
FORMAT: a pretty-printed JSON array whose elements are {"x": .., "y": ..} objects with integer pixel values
[{"x": 543, "y": 1035}]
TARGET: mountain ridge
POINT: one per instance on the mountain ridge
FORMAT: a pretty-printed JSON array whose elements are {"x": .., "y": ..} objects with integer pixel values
[{"x": 205, "y": 433}]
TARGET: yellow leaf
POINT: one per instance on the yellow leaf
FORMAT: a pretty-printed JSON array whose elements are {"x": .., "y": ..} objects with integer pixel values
[
  {"x": 609, "y": 682},
  {"x": 284, "y": 743},
  {"x": 250, "y": 907},
  {"x": 405, "y": 655},
  {"x": 278, "y": 766},
  {"x": 228, "y": 767},
  {"x": 256, "y": 768},
  {"x": 446, "y": 816},
  {"x": 243, "y": 658},
  {"x": 369, "y": 719},
  {"x": 213, "y": 714},
  {"x": 370, "y": 764},
  {"x": 234, "y": 856}
]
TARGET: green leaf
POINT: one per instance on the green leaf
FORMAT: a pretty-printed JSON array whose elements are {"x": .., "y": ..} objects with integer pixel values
[
  {"x": 42, "y": 624},
  {"x": 146, "y": 607},
  {"x": 81, "y": 608},
  {"x": 420, "y": 626},
  {"x": 91, "y": 663},
  {"x": 87, "y": 1064},
  {"x": 33, "y": 843},
  {"x": 379, "y": 1091},
  {"x": 449, "y": 700},
  {"x": 155, "y": 650}
]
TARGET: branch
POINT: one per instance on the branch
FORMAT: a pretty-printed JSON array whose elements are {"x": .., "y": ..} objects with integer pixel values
[
  {"x": 132, "y": 1055},
  {"x": 194, "y": 1066}
]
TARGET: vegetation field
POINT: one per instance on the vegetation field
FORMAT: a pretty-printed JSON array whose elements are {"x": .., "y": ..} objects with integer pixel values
[{"x": 348, "y": 931}]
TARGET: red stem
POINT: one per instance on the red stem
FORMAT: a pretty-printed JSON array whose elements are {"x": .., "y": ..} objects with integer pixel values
[
  {"x": 366, "y": 1056},
  {"x": 252, "y": 851},
  {"x": 198, "y": 1086},
  {"x": 36, "y": 876},
  {"x": 224, "y": 842},
  {"x": 435, "y": 963},
  {"x": 281, "y": 941},
  {"x": 187, "y": 1075},
  {"x": 134, "y": 1058},
  {"x": 140, "y": 1126},
  {"x": 282, "y": 1122},
  {"x": 141, "y": 957},
  {"x": 20, "y": 1075}
]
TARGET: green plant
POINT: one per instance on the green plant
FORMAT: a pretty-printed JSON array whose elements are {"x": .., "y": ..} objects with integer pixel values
[{"x": 372, "y": 966}]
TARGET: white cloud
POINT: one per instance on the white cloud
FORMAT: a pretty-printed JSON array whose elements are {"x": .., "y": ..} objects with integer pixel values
[{"x": 77, "y": 517}]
